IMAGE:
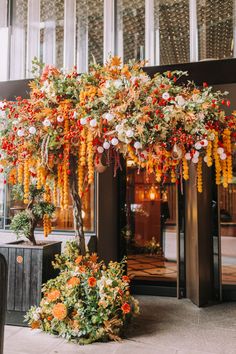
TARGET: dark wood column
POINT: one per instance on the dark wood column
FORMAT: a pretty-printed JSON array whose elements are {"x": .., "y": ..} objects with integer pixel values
[
  {"x": 107, "y": 221},
  {"x": 198, "y": 236}
]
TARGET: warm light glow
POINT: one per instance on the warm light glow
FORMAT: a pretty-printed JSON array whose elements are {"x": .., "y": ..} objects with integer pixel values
[
  {"x": 152, "y": 193},
  {"x": 164, "y": 196}
]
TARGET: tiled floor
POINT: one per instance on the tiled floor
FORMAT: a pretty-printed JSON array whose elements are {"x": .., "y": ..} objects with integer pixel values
[
  {"x": 141, "y": 266},
  {"x": 165, "y": 326}
]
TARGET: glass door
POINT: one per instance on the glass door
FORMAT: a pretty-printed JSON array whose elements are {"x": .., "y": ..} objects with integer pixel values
[{"x": 150, "y": 233}]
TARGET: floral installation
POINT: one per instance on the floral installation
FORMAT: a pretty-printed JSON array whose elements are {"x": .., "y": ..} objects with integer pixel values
[
  {"x": 87, "y": 302},
  {"x": 74, "y": 124}
]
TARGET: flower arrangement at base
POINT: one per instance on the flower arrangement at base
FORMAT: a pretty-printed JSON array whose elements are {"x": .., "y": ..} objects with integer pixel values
[{"x": 87, "y": 301}]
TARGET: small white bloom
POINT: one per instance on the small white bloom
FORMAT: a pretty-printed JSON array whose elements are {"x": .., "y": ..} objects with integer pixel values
[
  {"x": 114, "y": 141},
  {"x": 93, "y": 123},
  {"x": 21, "y": 132},
  {"x": 2, "y": 104},
  {"x": 38, "y": 310},
  {"x": 180, "y": 101},
  {"x": 83, "y": 121},
  {"x": 220, "y": 150},
  {"x": 108, "y": 116},
  {"x": 129, "y": 133},
  {"x": 106, "y": 145},
  {"x": 223, "y": 156},
  {"x": 165, "y": 96},
  {"x": 100, "y": 149},
  {"x": 196, "y": 154},
  {"x": 108, "y": 84},
  {"x": 32, "y": 130},
  {"x": 75, "y": 114},
  {"x": 119, "y": 128},
  {"x": 137, "y": 145},
  {"x": 195, "y": 159},
  {"x": 188, "y": 156},
  {"x": 205, "y": 159},
  {"x": 198, "y": 145},
  {"x": 46, "y": 122},
  {"x": 60, "y": 119},
  {"x": 36, "y": 317},
  {"x": 205, "y": 142},
  {"x": 118, "y": 84}
]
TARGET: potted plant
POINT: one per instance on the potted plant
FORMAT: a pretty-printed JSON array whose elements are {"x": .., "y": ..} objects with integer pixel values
[{"x": 29, "y": 262}]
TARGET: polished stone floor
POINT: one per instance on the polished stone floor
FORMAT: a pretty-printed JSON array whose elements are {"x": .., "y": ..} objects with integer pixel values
[{"x": 166, "y": 326}]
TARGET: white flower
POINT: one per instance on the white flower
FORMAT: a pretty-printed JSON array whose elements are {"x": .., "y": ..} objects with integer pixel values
[
  {"x": 32, "y": 130},
  {"x": 118, "y": 84},
  {"x": 106, "y": 145},
  {"x": 188, "y": 156},
  {"x": 201, "y": 116},
  {"x": 205, "y": 142},
  {"x": 75, "y": 114},
  {"x": 83, "y": 121},
  {"x": 137, "y": 145},
  {"x": 165, "y": 96},
  {"x": 60, "y": 119},
  {"x": 196, "y": 154},
  {"x": 21, "y": 132},
  {"x": 100, "y": 149},
  {"x": 108, "y": 84},
  {"x": 38, "y": 310},
  {"x": 93, "y": 123},
  {"x": 36, "y": 317},
  {"x": 220, "y": 150},
  {"x": 119, "y": 128},
  {"x": 114, "y": 141},
  {"x": 205, "y": 159},
  {"x": 46, "y": 122},
  {"x": 129, "y": 133},
  {"x": 223, "y": 156},
  {"x": 2, "y": 104},
  {"x": 198, "y": 145},
  {"x": 108, "y": 116},
  {"x": 195, "y": 159},
  {"x": 180, "y": 101}
]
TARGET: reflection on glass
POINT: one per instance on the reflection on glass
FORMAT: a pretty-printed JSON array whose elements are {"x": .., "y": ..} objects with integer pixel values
[
  {"x": 90, "y": 32},
  {"x": 150, "y": 232},
  {"x": 172, "y": 22},
  {"x": 227, "y": 202},
  {"x": 62, "y": 220},
  {"x": 130, "y": 29},
  {"x": 52, "y": 31},
  {"x": 215, "y": 28}
]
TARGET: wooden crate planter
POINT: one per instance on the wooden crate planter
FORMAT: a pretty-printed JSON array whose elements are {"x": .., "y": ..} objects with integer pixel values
[{"x": 28, "y": 268}]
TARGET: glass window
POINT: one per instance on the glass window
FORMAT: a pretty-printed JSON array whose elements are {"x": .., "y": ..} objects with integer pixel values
[
  {"x": 150, "y": 231},
  {"x": 172, "y": 22},
  {"x": 89, "y": 33},
  {"x": 130, "y": 36},
  {"x": 52, "y": 32},
  {"x": 18, "y": 39},
  {"x": 215, "y": 28}
]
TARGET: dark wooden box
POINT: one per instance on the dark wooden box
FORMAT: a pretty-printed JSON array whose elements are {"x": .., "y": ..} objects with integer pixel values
[{"x": 28, "y": 268}]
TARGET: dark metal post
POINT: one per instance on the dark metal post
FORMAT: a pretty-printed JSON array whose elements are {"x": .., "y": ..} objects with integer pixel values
[{"x": 3, "y": 297}]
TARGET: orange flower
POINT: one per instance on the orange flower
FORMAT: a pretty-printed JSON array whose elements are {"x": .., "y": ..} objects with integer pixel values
[
  {"x": 82, "y": 269},
  {"x": 116, "y": 61},
  {"x": 92, "y": 282},
  {"x": 53, "y": 295},
  {"x": 126, "y": 279},
  {"x": 59, "y": 311},
  {"x": 35, "y": 325},
  {"x": 49, "y": 318},
  {"x": 93, "y": 258},
  {"x": 78, "y": 259},
  {"x": 73, "y": 281},
  {"x": 125, "y": 308}
]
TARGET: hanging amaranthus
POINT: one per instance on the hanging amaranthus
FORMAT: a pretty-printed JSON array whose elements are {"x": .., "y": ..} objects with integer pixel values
[
  {"x": 228, "y": 150},
  {"x": 90, "y": 157},
  {"x": 217, "y": 159},
  {"x": 26, "y": 181},
  {"x": 47, "y": 226},
  {"x": 199, "y": 175}
]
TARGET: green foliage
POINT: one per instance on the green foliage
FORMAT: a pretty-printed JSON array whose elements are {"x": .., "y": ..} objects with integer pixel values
[
  {"x": 25, "y": 222},
  {"x": 21, "y": 223}
]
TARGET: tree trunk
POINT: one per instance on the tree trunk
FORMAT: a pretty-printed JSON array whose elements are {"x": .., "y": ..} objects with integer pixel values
[
  {"x": 77, "y": 206},
  {"x": 33, "y": 223}
]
